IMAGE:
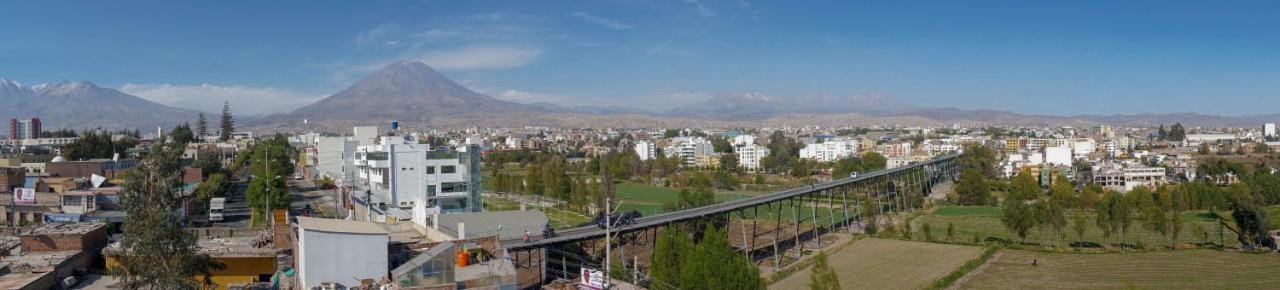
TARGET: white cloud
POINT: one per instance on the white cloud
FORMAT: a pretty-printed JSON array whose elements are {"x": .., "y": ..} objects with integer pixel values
[
  {"x": 480, "y": 57},
  {"x": 701, "y": 8},
  {"x": 610, "y": 23},
  {"x": 385, "y": 34},
  {"x": 249, "y": 101},
  {"x": 657, "y": 100}
]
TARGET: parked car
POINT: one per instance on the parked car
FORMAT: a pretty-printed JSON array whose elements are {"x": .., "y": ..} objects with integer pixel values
[{"x": 618, "y": 219}]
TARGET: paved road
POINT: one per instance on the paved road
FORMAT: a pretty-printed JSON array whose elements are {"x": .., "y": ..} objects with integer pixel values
[{"x": 236, "y": 213}]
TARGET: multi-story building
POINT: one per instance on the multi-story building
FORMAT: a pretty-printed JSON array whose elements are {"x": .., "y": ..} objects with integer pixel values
[
  {"x": 749, "y": 156},
  {"x": 743, "y": 140},
  {"x": 20, "y": 129},
  {"x": 1269, "y": 130},
  {"x": 402, "y": 175},
  {"x": 689, "y": 148},
  {"x": 646, "y": 150},
  {"x": 335, "y": 158},
  {"x": 830, "y": 150},
  {"x": 896, "y": 149},
  {"x": 1124, "y": 178}
]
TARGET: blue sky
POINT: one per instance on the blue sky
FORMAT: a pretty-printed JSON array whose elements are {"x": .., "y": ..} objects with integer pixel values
[{"x": 1067, "y": 57}]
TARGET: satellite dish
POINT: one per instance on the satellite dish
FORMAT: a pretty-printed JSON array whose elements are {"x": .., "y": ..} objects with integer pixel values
[
  {"x": 97, "y": 180},
  {"x": 115, "y": 157}
]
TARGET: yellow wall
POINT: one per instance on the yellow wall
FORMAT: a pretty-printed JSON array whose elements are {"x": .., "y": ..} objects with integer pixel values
[{"x": 238, "y": 271}]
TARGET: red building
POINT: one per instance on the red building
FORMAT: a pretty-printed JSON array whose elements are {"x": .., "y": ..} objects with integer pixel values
[{"x": 24, "y": 129}]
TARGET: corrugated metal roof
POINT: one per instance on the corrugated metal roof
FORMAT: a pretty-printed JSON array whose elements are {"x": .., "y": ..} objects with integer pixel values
[
  {"x": 480, "y": 224},
  {"x": 339, "y": 226}
]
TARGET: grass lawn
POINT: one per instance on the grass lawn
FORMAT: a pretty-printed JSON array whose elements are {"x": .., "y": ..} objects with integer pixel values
[
  {"x": 1273, "y": 215},
  {"x": 980, "y": 220},
  {"x": 969, "y": 211},
  {"x": 1197, "y": 269},
  {"x": 888, "y": 264},
  {"x": 649, "y": 199}
]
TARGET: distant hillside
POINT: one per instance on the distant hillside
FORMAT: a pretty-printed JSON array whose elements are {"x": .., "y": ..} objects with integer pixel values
[
  {"x": 407, "y": 91},
  {"x": 82, "y": 105},
  {"x": 743, "y": 105}
]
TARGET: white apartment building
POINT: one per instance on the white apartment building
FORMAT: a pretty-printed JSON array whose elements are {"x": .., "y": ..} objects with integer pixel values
[
  {"x": 366, "y": 135},
  {"x": 646, "y": 150},
  {"x": 335, "y": 158},
  {"x": 830, "y": 150},
  {"x": 406, "y": 180},
  {"x": 689, "y": 148},
  {"x": 743, "y": 140},
  {"x": 1269, "y": 130},
  {"x": 749, "y": 156},
  {"x": 1060, "y": 155}
]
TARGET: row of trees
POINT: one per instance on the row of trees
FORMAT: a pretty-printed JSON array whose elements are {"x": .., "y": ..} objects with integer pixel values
[
  {"x": 1027, "y": 206},
  {"x": 95, "y": 144},
  {"x": 271, "y": 164}
]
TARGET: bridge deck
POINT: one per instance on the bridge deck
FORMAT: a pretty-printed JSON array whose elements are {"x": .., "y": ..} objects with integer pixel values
[{"x": 593, "y": 232}]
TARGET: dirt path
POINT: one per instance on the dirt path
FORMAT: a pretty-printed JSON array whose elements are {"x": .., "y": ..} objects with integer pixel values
[{"x": 959, "y": 284}]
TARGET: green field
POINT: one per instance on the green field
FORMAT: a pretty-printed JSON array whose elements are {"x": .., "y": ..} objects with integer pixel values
[
  {"x": 888, "y": 264},
  {"x": 1197, "y": 269},
  {"x": 1273, "y": 215},
  {"x": 985, "y": 222},
  {"x": 968, "y": 211},
  {"x": 649, "y": 200}
]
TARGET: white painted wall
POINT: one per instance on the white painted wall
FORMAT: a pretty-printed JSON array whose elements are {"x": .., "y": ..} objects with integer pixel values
[{"x": 340, "y": 257}]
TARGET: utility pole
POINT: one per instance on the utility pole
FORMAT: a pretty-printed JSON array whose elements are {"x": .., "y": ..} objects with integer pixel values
[{"x": 608, "y": 240}]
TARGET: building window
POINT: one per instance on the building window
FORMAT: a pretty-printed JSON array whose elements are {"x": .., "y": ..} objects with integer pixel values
[
  {"x": 448, "y": 169},
  {"x": 431, "y": 190},
  {"x": 453, "y": 187},
  {"x": 431, "y": 170}
]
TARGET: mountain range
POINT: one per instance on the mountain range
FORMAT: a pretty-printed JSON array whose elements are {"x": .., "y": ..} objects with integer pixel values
[
  {"x": 85, "y": 105},
  {"x": 415, "y": 94}
]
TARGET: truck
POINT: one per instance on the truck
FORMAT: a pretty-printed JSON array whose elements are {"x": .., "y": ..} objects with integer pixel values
[{"x": 216, "y": 205}]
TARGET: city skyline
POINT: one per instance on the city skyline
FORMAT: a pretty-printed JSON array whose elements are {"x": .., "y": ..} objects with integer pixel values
[{"x": 1060, "y": 59}]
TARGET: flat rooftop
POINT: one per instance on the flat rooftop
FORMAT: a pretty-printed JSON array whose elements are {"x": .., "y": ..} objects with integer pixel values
[{"x": 58, "y": 229}]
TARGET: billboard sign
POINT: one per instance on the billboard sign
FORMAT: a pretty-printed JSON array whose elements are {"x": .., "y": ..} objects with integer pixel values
[
  {"x": 24, "y": 196},
  {"x": 592, "y": 279}
]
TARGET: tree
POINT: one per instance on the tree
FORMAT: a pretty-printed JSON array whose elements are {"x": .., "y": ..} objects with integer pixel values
[
  {"x": 1079, "y": 223},
  {"x": 214, "y": 186},
  {"x": 951, "y": 231},
  {"x": 972, "y": 188},
  {"x": 1204, "y": 149},
  {"x": 182, "y": 134},
  {"x": 1019, "y": 217},
  {"x": 1175, "y": 226},
  {"x": 714, "y": 264},
  {"x": 228, "y": 124},
  {"x": 156, "y": 252},
  {"x": 823, "y": 277},
  {"x": 873, "y": 161},
  {"x": 1251, "y": 225},
  {"x": 1177, "y": 133},
  {"x": 202, "y": 126},
  {"x": 1089, "y": 197},
  {"x": 671, "y": 248},
  {"x": 97, "y": 144},
  {"x": 729, "y": 162},
  {"x": 1161, "y": 133},
  {"x": 980, "y": 158}
]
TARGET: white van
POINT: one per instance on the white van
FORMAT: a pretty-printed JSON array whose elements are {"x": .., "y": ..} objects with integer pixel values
[{"x": 216, "y": 205}]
